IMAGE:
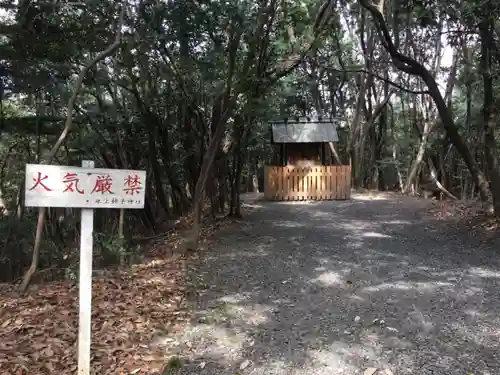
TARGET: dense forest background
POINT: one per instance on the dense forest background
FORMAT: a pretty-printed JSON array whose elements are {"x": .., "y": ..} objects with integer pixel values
[{"x": 185, "y": 90}]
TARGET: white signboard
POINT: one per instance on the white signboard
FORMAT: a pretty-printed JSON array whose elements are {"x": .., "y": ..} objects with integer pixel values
[
  {"x": 86, "y": 188},
  {"x": 63, "y": 186}
]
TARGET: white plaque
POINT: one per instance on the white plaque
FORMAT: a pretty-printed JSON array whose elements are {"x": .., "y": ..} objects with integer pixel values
[{"x": 63, "y": 186}]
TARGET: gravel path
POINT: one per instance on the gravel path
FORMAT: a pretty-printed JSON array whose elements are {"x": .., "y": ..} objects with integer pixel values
[{"x": 341, "y": 287}]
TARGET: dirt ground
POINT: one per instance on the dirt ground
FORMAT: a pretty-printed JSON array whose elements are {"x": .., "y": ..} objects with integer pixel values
[
  {"x": 343, "y": 287},
  {"x": 380, "y": 284}
]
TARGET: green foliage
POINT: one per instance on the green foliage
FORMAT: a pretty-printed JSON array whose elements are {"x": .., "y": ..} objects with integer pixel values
[
  {"x": 151, "y": 106},
  {"x": 181, "y": 67},
  {"x": 173, "y": 366},
  {"x": 15, "y": 245},
  {"x": 113, "y": 250}
]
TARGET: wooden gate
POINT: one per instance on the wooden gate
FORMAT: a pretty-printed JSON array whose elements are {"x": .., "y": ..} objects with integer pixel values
[{"x": 308, "y": 183}]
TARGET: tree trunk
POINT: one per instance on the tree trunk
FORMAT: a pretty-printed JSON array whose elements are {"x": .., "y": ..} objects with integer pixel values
[
  {"x": 155, "y": 167},
  {"x": 355, "y": 132},
  {"x": 413, "y": 67},
  {"x": 415, "y": 167},
  {"x": 67, "y": 128},
  {"x": 199, "y": 191},
  {"x": 486, "y": 28}
]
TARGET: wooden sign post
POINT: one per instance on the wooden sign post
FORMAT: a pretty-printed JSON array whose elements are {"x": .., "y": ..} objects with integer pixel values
[
  {"x": 85, "y": 286},
  {"x": 86, "y": 188}
]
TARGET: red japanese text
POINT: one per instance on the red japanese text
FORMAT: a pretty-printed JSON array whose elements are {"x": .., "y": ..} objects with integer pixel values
[
  {"x": 39, "y": 182},
  {"x": 132, "y": 185},
  {"x": 71, "y": 181},
  {"x": 103, "y": 185}
]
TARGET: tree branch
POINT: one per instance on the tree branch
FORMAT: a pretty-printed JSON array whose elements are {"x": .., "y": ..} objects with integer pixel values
[
  {"x": 413, "y": 67},
  {"x": 402, "y": 62},
  {"x": 416, "y": 92},
  {"x": 78, "y": 86},
  {"x": 67, "y": 128},
  {"x": 293, "y": 61}
]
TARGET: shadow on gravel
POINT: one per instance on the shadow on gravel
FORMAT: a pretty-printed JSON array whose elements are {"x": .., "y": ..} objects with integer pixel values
[{"x": 337, "y": 287}]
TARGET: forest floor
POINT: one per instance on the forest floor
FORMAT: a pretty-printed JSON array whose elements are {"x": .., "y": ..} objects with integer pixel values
[
  {"x": 381, "y": 282},
  {"x": 131, "y": 306}
]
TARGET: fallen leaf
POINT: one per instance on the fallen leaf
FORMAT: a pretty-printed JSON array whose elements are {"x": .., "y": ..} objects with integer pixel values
[{"x": 129, "y": 305}]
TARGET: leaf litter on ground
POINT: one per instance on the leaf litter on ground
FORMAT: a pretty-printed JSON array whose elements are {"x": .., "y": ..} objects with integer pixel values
[
  {"x": 131, "y": 307},
  {"x": 39, "y": 332},
  {"x": 469, "y": 213}
]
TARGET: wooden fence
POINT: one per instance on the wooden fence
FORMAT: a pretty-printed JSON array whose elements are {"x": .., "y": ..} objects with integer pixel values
[{"x": 308, "y": 183}]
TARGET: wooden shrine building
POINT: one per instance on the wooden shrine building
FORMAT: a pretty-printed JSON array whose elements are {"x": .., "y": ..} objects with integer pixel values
[{"x": 307, "y": 162}]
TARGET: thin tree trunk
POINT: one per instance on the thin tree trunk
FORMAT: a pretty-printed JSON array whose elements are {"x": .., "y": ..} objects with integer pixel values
[
  {"x": 434, "y": 178},
  {"x": 413, "y": 67},
  {"x": 67, "y": 128},
  {"x": 191, "y": 243},
  {"x": 486, "y": 29}
]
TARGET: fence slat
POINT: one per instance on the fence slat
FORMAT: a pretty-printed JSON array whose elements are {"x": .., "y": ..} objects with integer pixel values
[
  {"x": 307, "y": 183},
  {"x": 340, "y": 191},
  {"x": 348, "y": 168},
  {"x": 315, "y": 184}
]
